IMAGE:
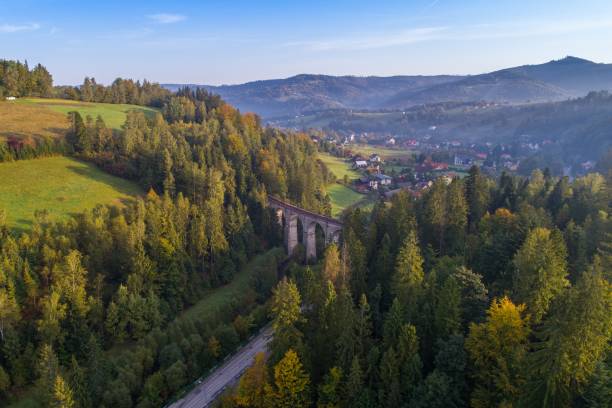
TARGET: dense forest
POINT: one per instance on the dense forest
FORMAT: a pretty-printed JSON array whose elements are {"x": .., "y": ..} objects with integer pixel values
[
  {"x": 120, "y": 91},
  {"x": 18, "y": 80},
  {"x": 87, "y": 305},
  {"x": 478, "y": 294}
]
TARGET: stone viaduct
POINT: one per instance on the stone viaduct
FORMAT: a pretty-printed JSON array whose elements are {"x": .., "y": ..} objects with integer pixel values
[{"x": 291, "y": 213}]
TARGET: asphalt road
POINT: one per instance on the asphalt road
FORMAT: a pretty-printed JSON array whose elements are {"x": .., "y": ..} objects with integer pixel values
[{"x": 212, "y": 386}]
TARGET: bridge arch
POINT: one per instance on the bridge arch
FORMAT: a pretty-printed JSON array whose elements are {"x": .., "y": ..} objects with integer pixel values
[{"x": 309, "y": 220}]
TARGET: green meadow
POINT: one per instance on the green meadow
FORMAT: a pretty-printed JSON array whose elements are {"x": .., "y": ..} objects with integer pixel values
[
  {"x": 60, "y": 185},
  {"x": 338, "y": 166},
  {"x": 113, "y": 114},
  {"x": 341, "y": 196},
  {"x": 386, "y": 153}
]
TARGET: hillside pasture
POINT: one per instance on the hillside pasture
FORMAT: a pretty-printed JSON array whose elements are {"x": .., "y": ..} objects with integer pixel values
[
  {"x": 341, "y": 196},
  {"x": 339, "y": 166},
  {"x": 386, "y": 153},
  {"x": 113, "y": 114},
  {"x": 30, "y": 122},
  {"x": 59, "y": 185}
]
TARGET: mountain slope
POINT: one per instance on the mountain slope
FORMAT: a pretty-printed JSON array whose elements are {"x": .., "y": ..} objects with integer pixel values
[
  {"x": 499, "y": 86},
  {"x": 576, "y": 75},
  {"x": 551, "y": 81},
  {"x": 303, "y": 93}
]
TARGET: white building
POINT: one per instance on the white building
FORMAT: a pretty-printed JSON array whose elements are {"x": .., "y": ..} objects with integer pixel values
[{"x": 383, "y": 179}]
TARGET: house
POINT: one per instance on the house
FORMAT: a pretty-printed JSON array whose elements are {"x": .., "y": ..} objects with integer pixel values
[
  {"x": 373, "y": 184},
  {"x": 374, "y": 158},
  {"x": 383, "y": 179},
  {"x": 360, "y": 164},
  {"x": 462, "y": 161},
  {"x": 391, "y": 142},
  {"x": 10, "y": 98}
]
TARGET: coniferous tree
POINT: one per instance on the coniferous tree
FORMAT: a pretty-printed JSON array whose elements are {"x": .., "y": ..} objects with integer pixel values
[
  {"x": 571, "y": 341},
  {"x": 291, "y": 384},
  {"x": 253, "y": 383},
  {"x": 408, "y": 275},
  {"x": 286, "y": 312},
  {"x": 62, "y": 394},
  {"x": 541, "y": 271},
  {"x": 477, "y": 196},
  {"x": 497, "y": 348}
]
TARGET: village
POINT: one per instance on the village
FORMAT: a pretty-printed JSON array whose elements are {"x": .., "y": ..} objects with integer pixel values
[
  {"x": 391, "y": 165},
  {"x": 388, "y": 177}
]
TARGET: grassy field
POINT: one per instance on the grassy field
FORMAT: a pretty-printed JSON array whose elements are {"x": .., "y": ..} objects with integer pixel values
[
  {"x": 342, "y": 197},
  {"x": 60, "y": 185},
  {"x": 385, "y": 153},
  {"x": 339, "y": 166},
  {"x": 113, "y": 114},
  {"x": 219, "y": 298},
  {"x": 30, "y": 121}
]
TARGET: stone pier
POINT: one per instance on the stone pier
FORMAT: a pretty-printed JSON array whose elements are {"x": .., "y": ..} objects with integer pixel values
[{"x": 291, "y": 214}]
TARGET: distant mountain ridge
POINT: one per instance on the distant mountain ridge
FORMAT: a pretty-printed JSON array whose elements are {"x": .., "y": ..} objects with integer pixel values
[{"x": 552, "y": 81}]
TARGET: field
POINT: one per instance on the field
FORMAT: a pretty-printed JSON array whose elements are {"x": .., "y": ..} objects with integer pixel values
[
  {"x": 113, "y": 114},
  {"x": 60, "y": 185},
  {"x": 385, "y": 153},
  {"x": 30, "y": 121},
  {"x": 219, "y": 298},
  {"x": 339, "y": 167},
  {"x": 341, "y": 196}
]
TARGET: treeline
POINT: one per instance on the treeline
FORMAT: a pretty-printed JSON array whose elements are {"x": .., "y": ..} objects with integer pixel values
[
  {"x": 72, "y": 291},
  {"x": 120, "y": 91},
  {"x": 18, "y": 80},
  {"x": 478, "y": 294},
  {"x": 227, "y": 148},
  {"x": 189, "y": 105},
  {"x": 20, "y": 149}
]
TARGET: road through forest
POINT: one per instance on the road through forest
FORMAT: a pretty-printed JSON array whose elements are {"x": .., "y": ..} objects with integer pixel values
[{"x": 205, "y": 393}]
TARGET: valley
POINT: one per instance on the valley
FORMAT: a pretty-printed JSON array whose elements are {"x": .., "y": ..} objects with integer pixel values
[{"x": 319, "y": 240}]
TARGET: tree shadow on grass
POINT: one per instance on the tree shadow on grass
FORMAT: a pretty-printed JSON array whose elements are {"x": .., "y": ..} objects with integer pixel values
[
  {"x": 22, "y": 225},
  {"x": 118, "y": 184}
]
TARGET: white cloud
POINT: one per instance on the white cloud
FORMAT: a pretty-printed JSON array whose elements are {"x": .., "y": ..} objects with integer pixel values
[
  {"x": 485, "y": 31},
  {"x": 370, "y": 41},
  {"x": 166, "y": 18},
  {"x": 13, "y": 28},
  {"x": 530, "y": 29}
]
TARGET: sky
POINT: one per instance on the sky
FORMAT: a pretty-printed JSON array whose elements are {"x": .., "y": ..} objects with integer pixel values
[{"x": 227, "y": 42}]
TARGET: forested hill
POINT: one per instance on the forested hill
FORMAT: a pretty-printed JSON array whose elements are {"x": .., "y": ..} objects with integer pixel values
[
  {"x": 480, "y": 293},
  {"x": 88, "y": 304},
  {"x": 302, "y": 93},
  {"x": 552, "y": 81}
]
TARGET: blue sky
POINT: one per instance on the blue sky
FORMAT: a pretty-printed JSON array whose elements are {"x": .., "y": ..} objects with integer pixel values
[{"x": 216, "y": 42}]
